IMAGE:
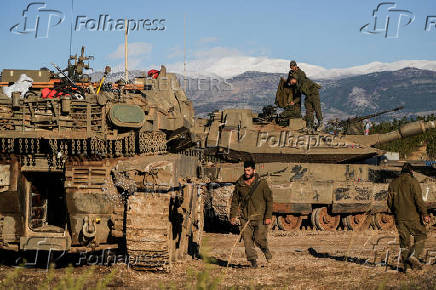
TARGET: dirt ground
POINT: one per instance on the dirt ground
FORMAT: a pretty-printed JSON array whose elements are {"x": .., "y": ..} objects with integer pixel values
[{"x": 302, "y": 260}]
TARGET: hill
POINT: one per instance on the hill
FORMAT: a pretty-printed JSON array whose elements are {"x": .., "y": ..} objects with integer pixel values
[{"x": 364, "y": 94}]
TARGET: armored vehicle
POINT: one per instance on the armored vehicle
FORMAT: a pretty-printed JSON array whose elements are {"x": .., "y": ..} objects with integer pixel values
[
  {"x": 321, "y": 178},
  {"x": 85, "y": 167}
]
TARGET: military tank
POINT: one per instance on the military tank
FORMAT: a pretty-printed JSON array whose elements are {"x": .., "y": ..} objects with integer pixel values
[
  {"x": 85, "y": 166},
  {"x": 320, "y": 179}
]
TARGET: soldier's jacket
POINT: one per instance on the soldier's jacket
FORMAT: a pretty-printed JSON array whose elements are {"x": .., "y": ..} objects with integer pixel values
[
  {"x": 405, "y": 198},
  {"x": 284, "y": 94},
  {"x": 260, "y": 204},
  {"x": 307, "y": 86},
  {"x": 298, "y": 74}
]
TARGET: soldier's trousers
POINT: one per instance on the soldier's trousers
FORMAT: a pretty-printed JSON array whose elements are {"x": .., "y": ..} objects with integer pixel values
[
  {"x": 255, "y": 234},
  {"x": 312, "y": 103},
  {"x": 415, "y": 229}
]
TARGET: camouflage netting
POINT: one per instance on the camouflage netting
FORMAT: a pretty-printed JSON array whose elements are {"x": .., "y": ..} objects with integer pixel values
[{"x": 217, "y": 207}]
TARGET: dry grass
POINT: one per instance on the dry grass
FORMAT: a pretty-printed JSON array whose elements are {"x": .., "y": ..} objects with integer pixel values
[{"x": 302, "y": 260}]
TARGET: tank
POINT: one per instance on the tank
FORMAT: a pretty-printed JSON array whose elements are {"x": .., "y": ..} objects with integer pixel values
[
  {"x": 85, "y": 167},
  {"x": 321, "y": 180}
]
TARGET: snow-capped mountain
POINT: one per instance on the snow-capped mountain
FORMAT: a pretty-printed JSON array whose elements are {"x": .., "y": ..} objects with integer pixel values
[{"x": 228, "y": 67}]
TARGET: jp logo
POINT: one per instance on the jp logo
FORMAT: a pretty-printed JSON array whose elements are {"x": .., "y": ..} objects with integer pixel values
[
  {"x": 388, "y": 20},
  {"x": 38, "y": 20}
]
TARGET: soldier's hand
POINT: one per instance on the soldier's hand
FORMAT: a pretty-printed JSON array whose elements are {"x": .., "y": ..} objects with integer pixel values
[
  {"x": 426, "y": 219},
  {"x": 292, "y": 103},
  {"x": 267, "y": 221},
  {"x": 233, "y": 221}
]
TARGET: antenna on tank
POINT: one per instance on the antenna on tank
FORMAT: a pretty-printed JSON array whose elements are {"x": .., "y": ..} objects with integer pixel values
[
  {"x": 126, "y": 72},
  {"x": 71, "y": 24},
  {"x": 184, "y": 53}
]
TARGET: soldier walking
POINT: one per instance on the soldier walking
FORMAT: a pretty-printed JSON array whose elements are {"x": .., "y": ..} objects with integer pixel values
[
  {"x": 253, "y": 197},
  {"x": 406, "y": 203}
]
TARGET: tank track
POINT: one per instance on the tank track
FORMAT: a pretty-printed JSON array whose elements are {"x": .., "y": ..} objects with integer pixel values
[
  {"x": 148, "y": 143},
  {"x": 149, "y": 232}
]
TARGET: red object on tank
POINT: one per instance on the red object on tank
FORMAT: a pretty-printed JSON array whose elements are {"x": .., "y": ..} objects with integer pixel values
[
  {"x": 153, "y": 73},
  {"x": 47, "y": 93}
]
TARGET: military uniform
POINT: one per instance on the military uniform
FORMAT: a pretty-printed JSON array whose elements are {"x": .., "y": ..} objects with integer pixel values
[
  {"x": 254, "y": 210},
  {"x": 406, "y": 203},
  {"x": 298, "y": 75},
  {"x": 312, "y": 102}
]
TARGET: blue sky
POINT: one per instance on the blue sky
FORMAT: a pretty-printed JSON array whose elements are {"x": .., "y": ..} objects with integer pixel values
[{"x": 324, "y": 33}]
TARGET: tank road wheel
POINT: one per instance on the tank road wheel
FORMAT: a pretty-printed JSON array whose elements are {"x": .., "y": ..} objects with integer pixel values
[
  {"x": 289, "y": 222},
  {"x": 323, "y": 221},
  {"x": 383, "y": 221},
  {"x": 356, "y": 222}
]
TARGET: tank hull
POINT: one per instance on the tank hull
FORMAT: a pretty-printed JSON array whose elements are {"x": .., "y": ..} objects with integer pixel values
[{"x": 343, "y": 192}]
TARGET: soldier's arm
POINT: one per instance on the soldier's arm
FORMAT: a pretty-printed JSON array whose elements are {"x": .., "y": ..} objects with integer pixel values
[
  {"x": 390, "y": 199},
  {"x": 296, "y": 97},
  {"x": 235, "y": 203},
  {"x": 417, "y": 195},
  {"x": 267, "y": 196}
]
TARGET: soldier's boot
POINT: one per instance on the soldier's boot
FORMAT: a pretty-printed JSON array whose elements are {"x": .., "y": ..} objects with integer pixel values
[
  {"x": 414, "y": 263},
  {"x": 268, "y": 255},
  {"x": 320, "y": 126},
  {"x": 253, "y": 263}
]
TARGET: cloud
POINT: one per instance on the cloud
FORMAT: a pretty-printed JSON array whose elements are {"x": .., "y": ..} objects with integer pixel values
[
  {"x": 138, "y": 52},
  {"x": 175, "y": 52},
  {"x": 135, "y": 49},
  {"x": 207, "y": 40}
]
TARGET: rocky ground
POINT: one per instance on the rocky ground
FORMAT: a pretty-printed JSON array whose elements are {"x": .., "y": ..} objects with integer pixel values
[{"x": 302, "y": 260}]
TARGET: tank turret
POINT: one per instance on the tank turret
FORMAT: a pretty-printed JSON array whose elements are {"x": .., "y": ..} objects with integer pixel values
[{"x": 235, "y": 135}]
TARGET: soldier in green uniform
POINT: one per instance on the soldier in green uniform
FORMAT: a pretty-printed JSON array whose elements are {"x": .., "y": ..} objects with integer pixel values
[
  {"x": 312, "y": 102},
  {"x": 287, "y": 96},
  {"x": 296, "y": 72},
  {"x": 406, "y": 203},
  {"x": 253, "y": 197}
]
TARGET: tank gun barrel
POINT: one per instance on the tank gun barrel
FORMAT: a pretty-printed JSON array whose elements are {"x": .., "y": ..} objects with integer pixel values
[
  {"x": 361, "y": 118},
  {"x": 407, "y": 130}
]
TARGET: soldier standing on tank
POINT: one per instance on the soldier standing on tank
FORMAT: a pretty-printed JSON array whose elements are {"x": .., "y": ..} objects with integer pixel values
[
  {"x": 253, "y": 197},
  {"x": 406, "y": 203},
  {"x": 295, "y": 72},
  {"x": 312, "y": 102},
  {"x": 293, "y": 109}
]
